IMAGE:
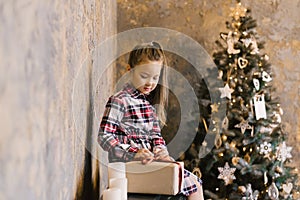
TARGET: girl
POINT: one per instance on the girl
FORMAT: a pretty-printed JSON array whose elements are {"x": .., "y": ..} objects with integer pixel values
[{"x": 130, "y": 127}]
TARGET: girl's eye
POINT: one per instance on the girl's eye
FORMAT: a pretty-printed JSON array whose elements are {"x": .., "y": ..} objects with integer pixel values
[
  {"x": 144, "y": 76},
  {"x": 155, "y": 78}
]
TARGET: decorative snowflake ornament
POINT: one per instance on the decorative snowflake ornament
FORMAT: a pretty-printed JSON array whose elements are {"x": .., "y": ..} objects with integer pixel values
[
  {"x": 226, "y": 173},
  {"x": 283, "y": 152},
  {"x": 265, "y": 148}
]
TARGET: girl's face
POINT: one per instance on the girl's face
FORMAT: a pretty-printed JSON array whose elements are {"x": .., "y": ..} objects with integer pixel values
[{"x": 145, "y": 76}]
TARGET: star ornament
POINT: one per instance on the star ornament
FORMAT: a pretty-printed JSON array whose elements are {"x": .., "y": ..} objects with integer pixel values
[
  {"x": 283, "y": 152},
  {"x": 243, "y": 125},
  {"x": 226, "y": 91},
  {"x": 214, "y": 107},
  {"x": 238, "y": 11},
  {"x": 226, "y": 173}
]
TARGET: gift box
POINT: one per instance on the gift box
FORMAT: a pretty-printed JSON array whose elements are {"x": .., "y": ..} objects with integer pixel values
[{"x": 155, "y": 178}]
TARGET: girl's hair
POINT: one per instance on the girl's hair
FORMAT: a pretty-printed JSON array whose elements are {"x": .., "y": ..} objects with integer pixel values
[{"x": 144, "y": 53}]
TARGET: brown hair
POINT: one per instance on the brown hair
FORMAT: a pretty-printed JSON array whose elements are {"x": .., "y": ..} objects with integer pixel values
[{"x": 153, "y": 52}]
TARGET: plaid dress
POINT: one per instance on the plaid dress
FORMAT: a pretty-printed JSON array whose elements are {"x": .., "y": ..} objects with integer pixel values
[{"x": 129, "y": 123}]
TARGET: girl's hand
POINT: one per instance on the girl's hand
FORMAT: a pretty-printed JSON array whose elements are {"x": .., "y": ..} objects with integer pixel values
[
  {"x": 162, "y": 155},
  {"x": 144, "y": 155}
]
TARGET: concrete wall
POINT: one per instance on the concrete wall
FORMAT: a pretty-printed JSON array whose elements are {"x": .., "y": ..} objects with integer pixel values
[
  {"x": 50, "y": 97},
  {"x": 278, "y": 25}
]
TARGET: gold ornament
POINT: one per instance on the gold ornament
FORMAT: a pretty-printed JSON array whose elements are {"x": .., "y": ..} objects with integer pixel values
[
  {"x": 197, "y": 172},
  {"x": 235, "y": 160},
  {"x": 238, "y": 11},
  {"x": 225, "y": 123},
  {"x": 214, "y": 107},
  {"x": 242, "y": 62},
  {"x": 242, "y": 189},
  {"x": 218, "y": 142},
  {"x": 247, "y": 158},
  {"x": 278, "y": 170}
]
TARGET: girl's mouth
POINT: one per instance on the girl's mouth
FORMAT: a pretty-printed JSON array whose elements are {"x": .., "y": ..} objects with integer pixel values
[{"x": 147, "y": 89}]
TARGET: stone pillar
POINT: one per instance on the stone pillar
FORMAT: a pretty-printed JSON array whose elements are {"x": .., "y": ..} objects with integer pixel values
[{"x": 49, "y": 97}]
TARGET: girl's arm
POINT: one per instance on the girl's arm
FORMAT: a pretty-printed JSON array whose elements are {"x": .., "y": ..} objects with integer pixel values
[
  {"x": 159, "y": 145},
  {"x": 157, "y": 139},
  {"x": 107, "y": 139}
]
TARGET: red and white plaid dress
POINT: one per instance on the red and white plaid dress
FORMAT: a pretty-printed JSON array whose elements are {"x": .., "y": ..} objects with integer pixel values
[{"x": 130, "y": 123}]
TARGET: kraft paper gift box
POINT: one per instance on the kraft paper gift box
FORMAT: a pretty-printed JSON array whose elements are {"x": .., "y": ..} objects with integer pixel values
[{"x": 155, "y": 178}]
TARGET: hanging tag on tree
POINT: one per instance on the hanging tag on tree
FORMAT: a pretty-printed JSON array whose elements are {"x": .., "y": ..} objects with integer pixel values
[
  {"x": 256, "y": 84},
  {"x": 260, "y": 106},
  {"x": 266, "y": 77}
]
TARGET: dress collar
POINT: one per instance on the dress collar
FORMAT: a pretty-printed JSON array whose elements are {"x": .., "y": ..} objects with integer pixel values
[{"x": 130, "y": 89}]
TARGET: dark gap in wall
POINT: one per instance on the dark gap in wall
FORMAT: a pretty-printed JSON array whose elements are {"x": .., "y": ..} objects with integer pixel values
[{"x": 87, "y": 189}]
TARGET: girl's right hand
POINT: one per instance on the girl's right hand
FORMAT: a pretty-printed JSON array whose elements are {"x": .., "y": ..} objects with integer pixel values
[{"x": 144, "y": 155}]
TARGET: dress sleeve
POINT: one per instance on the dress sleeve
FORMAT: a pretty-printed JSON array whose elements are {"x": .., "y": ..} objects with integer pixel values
[
  {"x": 157, "y": 138},
  {"x": 112, "y": 117}
]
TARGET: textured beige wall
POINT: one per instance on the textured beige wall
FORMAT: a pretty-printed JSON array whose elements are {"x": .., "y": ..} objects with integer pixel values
[
  {"x": 278, "y": 25},
  {"x": 46, "y": 52}
]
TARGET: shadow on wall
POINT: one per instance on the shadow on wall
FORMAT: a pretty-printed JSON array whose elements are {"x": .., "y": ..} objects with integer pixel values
[{"x": 87, "y": 185}]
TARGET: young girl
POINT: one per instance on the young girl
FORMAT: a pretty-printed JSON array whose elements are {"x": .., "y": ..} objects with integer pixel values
[{"x": 130, "y": 127}]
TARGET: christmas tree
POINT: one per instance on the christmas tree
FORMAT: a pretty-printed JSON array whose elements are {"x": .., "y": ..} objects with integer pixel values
[{"x": 251, "y": 159}]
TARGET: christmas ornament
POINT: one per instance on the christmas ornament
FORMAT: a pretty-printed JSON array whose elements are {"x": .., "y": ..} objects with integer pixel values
[
  {"x": 242, "y": 189},
  {"x": 197, "y": 172},
  {"x": 235, "y": 160},
  {"x": 260, "y": 106},
  {"x": 247, "y": 41},
  {"x": 256, "y": 84},
  {"x": 266, "y": 57},
  {"x": 218, "y": 142},
  {"x": 266, "y": 77},
  {"x": 254, "y": 46},
  {"x": 220, "y": 74},
  {"x": 283, "y": 152},
  {"x": 214, "y": 107},
  {"x": 265, "y": 148},
  {"x": 251, "y": 41},
  {"x": 265, "y": 130},
  {"x": 242, "y": 62},
  {"x": 278, "y": 169},
  {"x": 277, "y": 117},
  {"x": 273, "y": 192},
  {"x": 287, "y": 188},
  {"x": 247, "y": 158},
  {"x": 230, "y": 44},
  {"x": 226, "y": 173},
  {"x": 250, "y": 195},
  {"x": 226, "y": 91},
  {"x": 238, "y": 11},
  {"x": 265, "y": 178},
  {"x": 225, "y": 123},
  {"x": 243, "y": 125},
  {"x": 223, "y": 36}
]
